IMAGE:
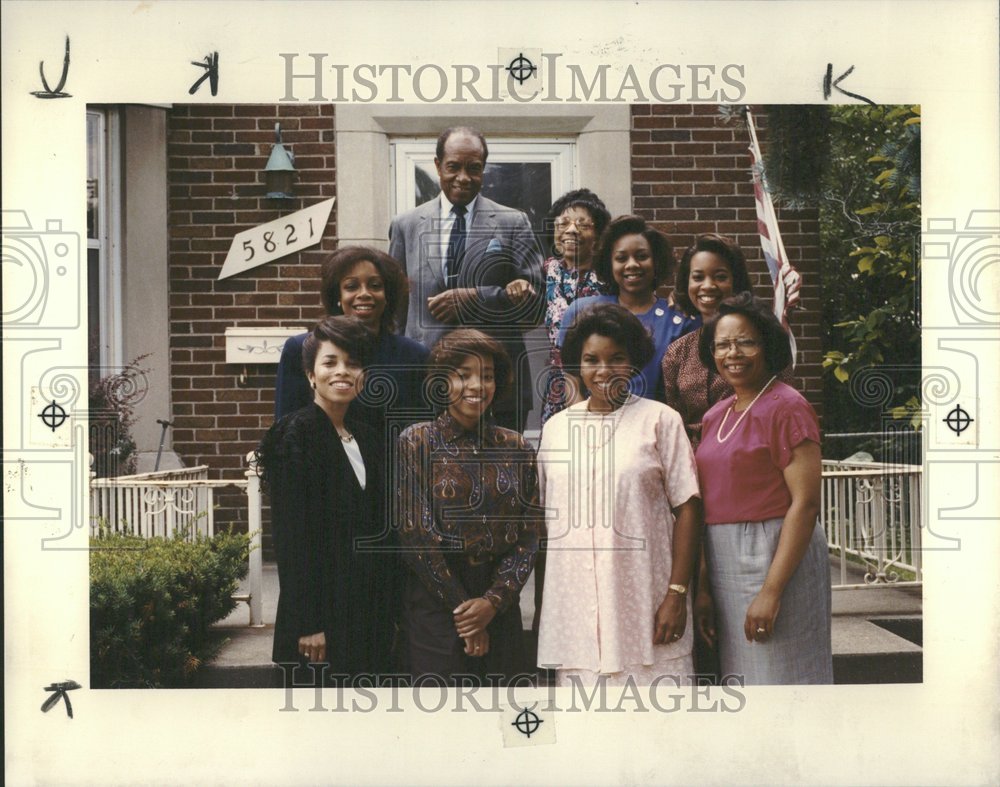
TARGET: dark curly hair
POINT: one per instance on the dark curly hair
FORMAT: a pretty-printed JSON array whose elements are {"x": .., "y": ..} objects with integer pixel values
[
  {"x": 727, "y": 249},
  {"x": 663, "y": 254},
  {"x": 455, "y": 346},
  {"x": 348, "y": 333},
  {"x": 338, "y": 265},
  {"x": 777, "y": 349},
  {"x": 614, "y": 322},
  {"x": 578, "y": 198}
]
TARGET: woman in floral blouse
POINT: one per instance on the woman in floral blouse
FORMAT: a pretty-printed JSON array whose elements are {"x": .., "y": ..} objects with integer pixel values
[
  {"x": 577, "y": 220},
  {"x": 469, "y": 529},
  {"x": 712, "y": 268}
]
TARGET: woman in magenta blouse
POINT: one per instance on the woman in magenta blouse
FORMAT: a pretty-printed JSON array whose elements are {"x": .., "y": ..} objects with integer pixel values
[{"x": 759, "y": 473}]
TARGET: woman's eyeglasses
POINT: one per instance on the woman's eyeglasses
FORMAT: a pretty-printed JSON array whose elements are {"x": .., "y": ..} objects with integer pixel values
[
  {"x": 744, "y": 346},
  {"x": 581, "y": 224}
]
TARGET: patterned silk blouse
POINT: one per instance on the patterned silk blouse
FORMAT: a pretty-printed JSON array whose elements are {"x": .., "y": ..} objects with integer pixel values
[
  {"x": 563, "y": 285},
  {"x": 689, "y": 386},
  {"x": 468, "y": 497}
]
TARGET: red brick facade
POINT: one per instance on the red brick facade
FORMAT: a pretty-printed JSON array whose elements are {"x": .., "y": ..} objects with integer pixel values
[
  {"x": 217, "y": 154},
  {"x": 691, "y": 174}
]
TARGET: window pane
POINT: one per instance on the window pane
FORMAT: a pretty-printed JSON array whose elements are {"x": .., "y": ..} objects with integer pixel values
[
  {"x": 93, "y": 314},
  {"x": 526, "y": 186},
  {"x": 93, "y": 174}
]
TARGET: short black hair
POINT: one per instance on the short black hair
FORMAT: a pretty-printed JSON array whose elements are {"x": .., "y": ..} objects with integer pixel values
[
  {"x": 348, "y": 333},
  {"x": 777, "y": 348},
  {"x": 472, "y": 132},
  {"x": 727, "y": 249},
  {"x": 577, "y": 198},
  {"x": 340, "y": 262},
  {"x": 663, "y": 254},
  {"x": 455, "y": 346},
  {"x": 614, "y": 322}
]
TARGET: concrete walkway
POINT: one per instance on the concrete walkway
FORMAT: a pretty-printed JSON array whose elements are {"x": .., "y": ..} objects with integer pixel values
[{"x": 877, "y": 635}]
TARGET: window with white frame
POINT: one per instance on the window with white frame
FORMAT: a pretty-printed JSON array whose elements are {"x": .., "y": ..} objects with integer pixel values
[
  {"x": 103, "y": 239},
  {"x": 527, "y": 174}
]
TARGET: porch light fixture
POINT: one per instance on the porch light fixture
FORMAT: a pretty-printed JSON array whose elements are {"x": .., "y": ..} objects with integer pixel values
[{"x": 279, "y": 172}]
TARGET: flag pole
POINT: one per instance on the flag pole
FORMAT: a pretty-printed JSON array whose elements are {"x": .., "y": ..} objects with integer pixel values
[{"x": 769, "y": 220}]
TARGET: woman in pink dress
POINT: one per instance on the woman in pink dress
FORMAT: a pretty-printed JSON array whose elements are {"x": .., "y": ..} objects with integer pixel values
[
  {"x": 619, "y": 488},
  {"x": 759, "y": 470}
]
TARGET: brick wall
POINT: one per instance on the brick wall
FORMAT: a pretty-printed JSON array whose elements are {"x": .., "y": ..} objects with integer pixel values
[
  {"x": 691, "y": 174},
  {"x": 216, "y": 157}
]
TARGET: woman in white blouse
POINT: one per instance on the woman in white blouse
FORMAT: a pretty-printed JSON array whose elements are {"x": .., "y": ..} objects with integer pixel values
[{"x": 623, "y": 514}]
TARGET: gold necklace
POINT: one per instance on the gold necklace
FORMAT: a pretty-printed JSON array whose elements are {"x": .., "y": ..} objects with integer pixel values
[{"x": 718, "y": 435}]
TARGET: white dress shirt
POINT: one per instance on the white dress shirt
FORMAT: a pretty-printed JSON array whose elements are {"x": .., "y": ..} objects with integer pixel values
[{"x": 446, "y": 224}]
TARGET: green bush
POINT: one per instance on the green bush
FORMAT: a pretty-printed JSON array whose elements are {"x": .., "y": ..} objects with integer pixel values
[{"x": 152, "y": 602}]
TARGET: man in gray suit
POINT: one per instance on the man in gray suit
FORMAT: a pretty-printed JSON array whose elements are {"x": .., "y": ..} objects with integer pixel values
[{"x": 467, "y": 259}]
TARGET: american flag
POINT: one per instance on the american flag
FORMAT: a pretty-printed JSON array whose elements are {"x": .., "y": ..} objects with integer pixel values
[{"x": 786, "y": 280}]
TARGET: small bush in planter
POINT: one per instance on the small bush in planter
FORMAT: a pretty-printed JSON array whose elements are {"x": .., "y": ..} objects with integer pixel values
[
  {"x": 152, "y": 603},
  {"x": 111, "y": 406}
]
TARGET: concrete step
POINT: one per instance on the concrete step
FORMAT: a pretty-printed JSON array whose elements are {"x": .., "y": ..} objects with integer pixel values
[
  {"x": 876, "y": 631},
  {"x": 865, "y": 650}
]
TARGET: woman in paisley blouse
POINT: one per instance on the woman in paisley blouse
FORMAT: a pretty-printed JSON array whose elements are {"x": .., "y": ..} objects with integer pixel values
[
  {"x": 577, "y": 220},
  {"x": 469, "y": 526}
]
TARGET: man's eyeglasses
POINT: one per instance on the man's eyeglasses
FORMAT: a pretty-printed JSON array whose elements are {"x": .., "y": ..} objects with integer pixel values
[
  {"x": 581, "y": 224},
  {"x": 744, "y": 346}
]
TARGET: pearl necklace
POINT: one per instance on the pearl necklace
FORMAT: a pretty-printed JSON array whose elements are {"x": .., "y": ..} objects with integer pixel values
[
  {"x": 718, "y": 435},
  {"x": 345, "y": 438}
]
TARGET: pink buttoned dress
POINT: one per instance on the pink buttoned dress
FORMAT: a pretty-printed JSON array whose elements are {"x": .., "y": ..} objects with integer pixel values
[{"x": 608, "y": 484}]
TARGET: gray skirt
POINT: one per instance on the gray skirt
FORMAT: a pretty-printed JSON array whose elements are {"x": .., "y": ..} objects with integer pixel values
[{"x": 798, "y": 651}]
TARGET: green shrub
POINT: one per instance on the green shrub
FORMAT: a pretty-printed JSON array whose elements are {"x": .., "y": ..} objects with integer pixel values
[{"x": 152, "y": 602}]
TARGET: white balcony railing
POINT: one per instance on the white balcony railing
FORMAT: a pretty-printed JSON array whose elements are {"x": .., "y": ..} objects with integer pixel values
[
  {"x": 168, "y": 502},
  {"x": 872, "y": 513}
]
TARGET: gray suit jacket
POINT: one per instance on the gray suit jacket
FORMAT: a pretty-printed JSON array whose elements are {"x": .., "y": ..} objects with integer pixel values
[{"x": 500, "y": 247}]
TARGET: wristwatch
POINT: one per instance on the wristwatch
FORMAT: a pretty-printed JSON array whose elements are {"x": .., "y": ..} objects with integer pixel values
[{"x": 680, "y": 590}]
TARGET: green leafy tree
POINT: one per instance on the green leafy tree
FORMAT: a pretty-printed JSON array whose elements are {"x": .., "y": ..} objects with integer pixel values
[
  {"x": 860, "y": 165},
  {"x": 111, "y": 405},
  {"x": 870, "y": 226}
]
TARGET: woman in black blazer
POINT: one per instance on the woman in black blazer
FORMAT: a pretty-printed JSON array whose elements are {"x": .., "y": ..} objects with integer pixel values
[{"x": 324, "y": 471}]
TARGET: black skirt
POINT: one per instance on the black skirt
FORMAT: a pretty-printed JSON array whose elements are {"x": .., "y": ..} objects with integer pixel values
[{"x": 434, "y": 653}]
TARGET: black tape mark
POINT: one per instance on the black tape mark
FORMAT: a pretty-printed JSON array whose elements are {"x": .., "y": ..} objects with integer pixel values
[
  {"x": 829, "y": 83},
  {"x": 60, "y": 690},
  {"x": 58, "y": 92},
  {"x": 211, "y": 66}
]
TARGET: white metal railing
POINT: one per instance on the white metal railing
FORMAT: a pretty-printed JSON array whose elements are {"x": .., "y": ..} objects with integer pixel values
[
  {"x": 872, "y": 512},
  {"x": 159, "y": 503},
  {"x": 167, "y": 502}
]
